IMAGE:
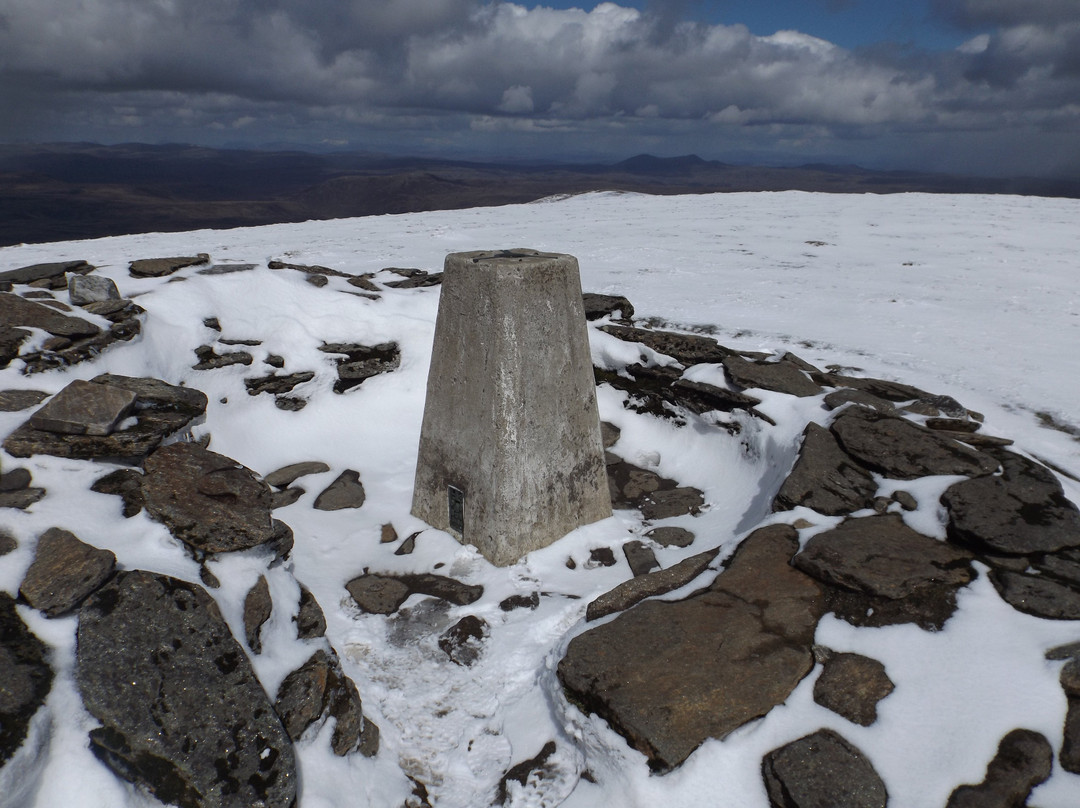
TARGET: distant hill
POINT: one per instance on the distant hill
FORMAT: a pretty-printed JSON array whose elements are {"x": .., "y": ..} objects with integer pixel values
[{"x": 56, "y": 192}]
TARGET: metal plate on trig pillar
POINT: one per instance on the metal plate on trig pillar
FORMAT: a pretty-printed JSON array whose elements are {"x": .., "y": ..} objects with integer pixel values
[{"x": 455, "y": 500}]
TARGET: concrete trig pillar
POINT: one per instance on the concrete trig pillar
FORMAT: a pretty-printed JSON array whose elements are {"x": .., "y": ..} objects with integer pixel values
[{"x": 511, "y": 457}]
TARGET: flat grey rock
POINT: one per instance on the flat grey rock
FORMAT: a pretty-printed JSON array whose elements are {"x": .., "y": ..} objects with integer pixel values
[
  {"x": 781, "y": 377},
  {"x": 699, "y": 397},
  {"x": 1023, "y": 510},
  {"x": 64, "y": 572},
  {"x": 25, "y": 677},
  {"x": 45, "y": 272},
  {"x": 362, "y": 362},
  {"x": 181, "y": 709},
  {"x": 902, "y": 450},
  {"x": 822, "y": 770},
  {"x": 344, "y": 492},
  {"x": 160, "y": 267},
  {"x": 208, "y": 501},
  {"x": 18, "y": 400},
  {"x": 653, "y": 672},
  {"x": 8, "y": 544},
  {"x": 879, "y": 571},
  {"x": 18, "y": 311},
  {"x": 642, "y": 586},
  {"x": 21, "y": 499},
  {"x": 83, "y": 289},
  {"x": 157, "y": 394},
  {"x": 84, "y": 408},
  {"x": 1024, "y": 759},
  {"x": 825, "y": 478},
  {"x": 319, "y": 689},
  {"x": 690, "y": 349}
]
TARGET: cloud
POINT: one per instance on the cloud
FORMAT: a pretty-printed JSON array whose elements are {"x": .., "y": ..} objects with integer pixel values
[{"x": 320, "y": 69}]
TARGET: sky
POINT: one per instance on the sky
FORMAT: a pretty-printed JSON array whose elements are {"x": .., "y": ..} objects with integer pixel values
[{"x": 987, "y": 87}]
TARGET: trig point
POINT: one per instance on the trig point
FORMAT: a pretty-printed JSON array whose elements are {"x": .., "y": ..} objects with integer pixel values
[{"x": 510, "y": 452}]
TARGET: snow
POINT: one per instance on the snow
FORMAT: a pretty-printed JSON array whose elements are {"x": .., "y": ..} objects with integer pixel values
[{"x": 970, "y": 296}]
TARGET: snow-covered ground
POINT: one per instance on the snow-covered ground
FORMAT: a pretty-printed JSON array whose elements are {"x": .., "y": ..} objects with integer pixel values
[{"x": 977, "y": 297}]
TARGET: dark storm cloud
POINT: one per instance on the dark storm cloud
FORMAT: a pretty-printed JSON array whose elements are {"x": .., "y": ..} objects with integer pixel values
[
  {"x": 977, "y": 14},
  {"x": 307, "y": 69}
]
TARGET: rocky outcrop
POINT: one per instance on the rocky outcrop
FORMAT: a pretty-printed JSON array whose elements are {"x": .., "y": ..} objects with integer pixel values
[
  {"x": 208, "y": 501},
  {"x": 877, "y": 571},
  {"x": 1024, "y": 759},
  {"x": 822, "y": 769},
  {"x": 655, "y": 671},
  {"x": 160, "y": 410},
  {"x": 191, "y": 722},
  {"x": 25, "y": 676}
]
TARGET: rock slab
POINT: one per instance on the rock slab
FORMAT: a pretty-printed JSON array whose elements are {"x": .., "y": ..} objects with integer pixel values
[
  {"x": 84, "y": 408},
  {"x": 669, "y": 675},
  {"x": 182, "y": 711}
]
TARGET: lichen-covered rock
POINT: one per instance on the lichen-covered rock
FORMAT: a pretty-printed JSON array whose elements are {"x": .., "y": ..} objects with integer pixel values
[
  {"x": 668, "y": 675},
  {"x": 65, "y": 571},
  {"x": 819, "y": 770},
  {"x": 182, "y": 712},
  {"x": 208, "y": 501},
  {"x": 25, "y": 677},
  {"x": 84, "y": 408}
]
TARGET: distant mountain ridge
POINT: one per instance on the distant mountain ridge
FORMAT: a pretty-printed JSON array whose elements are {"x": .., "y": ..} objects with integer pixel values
[{"x": 63, "y": 191}]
